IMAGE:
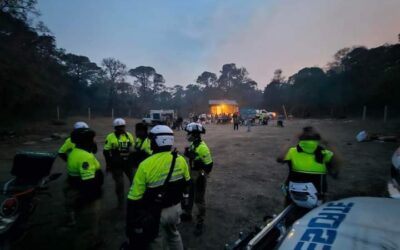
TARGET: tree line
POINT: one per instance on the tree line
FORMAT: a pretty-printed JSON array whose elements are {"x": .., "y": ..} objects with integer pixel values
[
  {"x": 36, "y": 76},
  {"x": 356, "y": 77}
]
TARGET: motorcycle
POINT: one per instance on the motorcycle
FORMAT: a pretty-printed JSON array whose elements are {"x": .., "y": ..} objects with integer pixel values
[
  {"x": 304, "y": 198},
  {"x": 19, "y": 195}
]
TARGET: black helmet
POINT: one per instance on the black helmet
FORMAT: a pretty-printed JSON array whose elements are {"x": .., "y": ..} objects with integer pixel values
[
  {"x": 83, "y": 137},
  {"x": 195, "y": 128},
  {"x": 309, "y": 133},
  {"x": 141, "y": 126}
]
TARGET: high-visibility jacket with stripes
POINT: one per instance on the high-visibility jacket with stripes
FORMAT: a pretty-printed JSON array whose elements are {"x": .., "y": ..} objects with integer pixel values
[
  {"x": 67, "y": 147},
  {"x": 82, "y": 164},
  {"x": 151, "y": 175},
  {"x": 302, "y": 158},
  {"x": 143, "y": 145},
  {"x": 202, "y": 159}
]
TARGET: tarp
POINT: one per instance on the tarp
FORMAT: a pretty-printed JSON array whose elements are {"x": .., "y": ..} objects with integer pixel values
[{"x": 248, "y": 113}]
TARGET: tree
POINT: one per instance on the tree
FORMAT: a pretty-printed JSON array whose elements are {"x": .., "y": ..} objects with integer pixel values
[
  {"x": 144, "y": 76},
  {"x": 149, "y": 81},
  {"x": 19, "y": 9},
  {"x": 81, "y": 68},
  {"x": 115, "y": 70},
  {"x": 115, "y": 73},
  {"x": 276, "y": 93},
  {"x": 158, "y": 84},
  {"x": 207, "y": 79},
  {"x": 150, "y": 85},
  {"x": 227, "y": 77}
]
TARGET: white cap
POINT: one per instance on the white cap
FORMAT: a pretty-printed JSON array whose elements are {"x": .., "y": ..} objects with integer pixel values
[
  {"x": 119, "y": 122},
  {"x": 163, "y": 135},
  {"x": 79, "y": 125}
]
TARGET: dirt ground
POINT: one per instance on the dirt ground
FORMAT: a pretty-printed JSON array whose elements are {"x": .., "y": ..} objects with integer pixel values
[{"x": 243, "y": 187}]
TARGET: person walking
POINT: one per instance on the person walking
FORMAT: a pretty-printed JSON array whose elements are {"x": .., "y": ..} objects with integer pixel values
[
  {"x": 154, "y": 200},
  {"x": 118, "y": 154},
  {"x": 201, "y": 165},
  {"x": 83, "y": 188},
  {"x": 142, "y": 147}
]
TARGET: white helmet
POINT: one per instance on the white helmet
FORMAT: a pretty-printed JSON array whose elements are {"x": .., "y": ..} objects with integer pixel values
[
  {"x": 162, "y": 135},
  {"x": 79, "y": 125},
  {"x": 304, "y": 194},
  {"x": 195, "y": 127},
  {"x": 119, "y": 122}
]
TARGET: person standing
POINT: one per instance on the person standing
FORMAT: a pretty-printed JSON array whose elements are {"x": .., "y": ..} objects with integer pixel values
[
  {"x": 201, "y": 165},
  {"x": 142, "y": 145},
  {"x": 154, "y": 200},
  {"x": 83, "y": 186},
  {"x": 118, "y": 154},
  {"x": 68, "y": 145},
  {"x": 280, "y": 120},
  {"x": 179, "y": 123},
  {"x": 235, "y": 121},
  {"x": 248, "y": 123}
]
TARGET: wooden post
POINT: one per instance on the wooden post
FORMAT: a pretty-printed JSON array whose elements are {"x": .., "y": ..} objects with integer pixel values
[
  {"x": 58, "y": 113},
  {"x": 364, "y": 116},
  {"x": 284, "y": 111},
  {"x": 89, "y": 114},
  {"x": 112, "y": 114},
  {"x": 385, "y": 112}
]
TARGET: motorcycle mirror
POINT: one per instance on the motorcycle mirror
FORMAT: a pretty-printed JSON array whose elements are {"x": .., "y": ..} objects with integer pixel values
[{"x": 54, "y": 176}]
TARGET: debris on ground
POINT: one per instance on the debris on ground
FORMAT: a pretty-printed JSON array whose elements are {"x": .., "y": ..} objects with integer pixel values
[{"x": 365, "y": 136}]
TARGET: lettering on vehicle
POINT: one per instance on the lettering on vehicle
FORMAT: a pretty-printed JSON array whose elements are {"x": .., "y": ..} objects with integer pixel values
[{"x": 322, "y": 230}]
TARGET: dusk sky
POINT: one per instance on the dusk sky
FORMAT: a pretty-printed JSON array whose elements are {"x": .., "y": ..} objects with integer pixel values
[{"x": 183, "y": 38}]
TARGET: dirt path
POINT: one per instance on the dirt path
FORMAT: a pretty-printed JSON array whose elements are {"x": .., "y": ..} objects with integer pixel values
[{"x": 243, "y": 187}]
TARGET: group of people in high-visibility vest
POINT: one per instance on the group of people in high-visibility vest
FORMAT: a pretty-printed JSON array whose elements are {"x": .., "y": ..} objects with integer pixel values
[
  {"x": 164, "y": 186},
  {"x": 162, "y": 183}
]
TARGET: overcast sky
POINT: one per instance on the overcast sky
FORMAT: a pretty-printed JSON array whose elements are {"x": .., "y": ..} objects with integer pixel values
[{"x": 183, "y": 38}]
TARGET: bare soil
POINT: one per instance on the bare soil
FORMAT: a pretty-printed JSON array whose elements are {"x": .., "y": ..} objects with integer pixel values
[{"x": 243, "y": 187}]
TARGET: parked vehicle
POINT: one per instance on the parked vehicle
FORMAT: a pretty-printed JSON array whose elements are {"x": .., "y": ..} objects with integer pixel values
[
  {"x": 156, "y": 117},
  {"x": 351, "y": 223},
  {"x": 19, "y": 195}
]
